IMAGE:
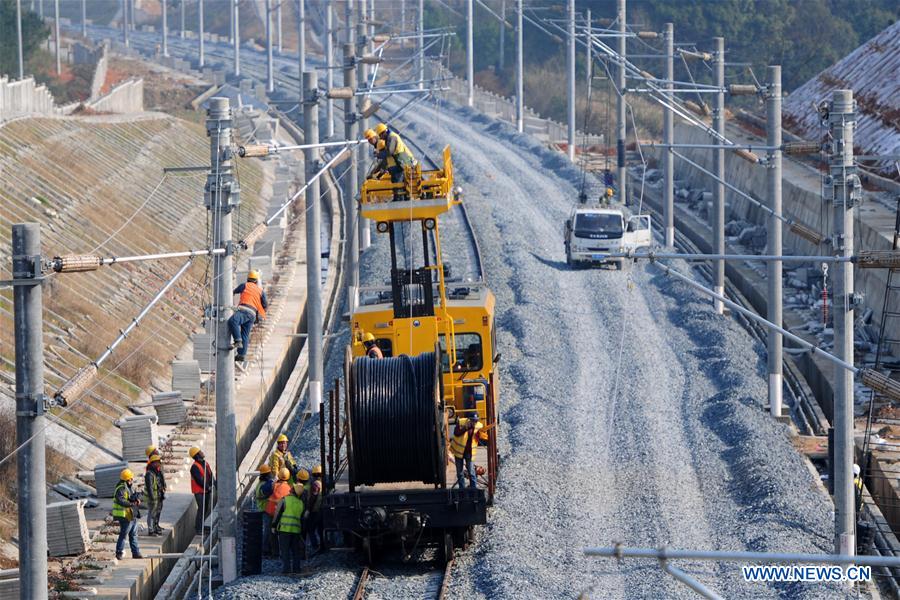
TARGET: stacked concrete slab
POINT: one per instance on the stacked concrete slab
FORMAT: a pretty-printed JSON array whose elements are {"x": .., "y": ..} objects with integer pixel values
[
  {"x": 24, "y": 97},
  {"x": 170, "y": 408},
  {"x": 67, "y": 532},
  {"x": 106, "y": 477},
  {"x": 138, "y": 432},
  {"x": 124, "y": 97},
  {"x": 186, "y": 378}
]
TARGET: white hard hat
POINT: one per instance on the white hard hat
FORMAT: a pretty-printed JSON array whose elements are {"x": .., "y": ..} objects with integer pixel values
[{"x": 855, "y": 470}]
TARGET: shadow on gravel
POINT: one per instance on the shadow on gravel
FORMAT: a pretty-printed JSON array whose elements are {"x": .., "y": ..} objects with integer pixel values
[{"x": 559, "y": 265}]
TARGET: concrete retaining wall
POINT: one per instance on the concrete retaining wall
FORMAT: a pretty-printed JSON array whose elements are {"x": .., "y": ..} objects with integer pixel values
[
  {"x": 125, "y": 97},
  {"x": 803, "y": 203},
  {"x": 24, "y": 97},
  {"x": 99, "y": 74}
]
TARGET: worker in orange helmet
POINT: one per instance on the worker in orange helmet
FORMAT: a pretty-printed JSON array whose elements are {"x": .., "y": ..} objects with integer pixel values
[{"x": 251, "y": 308}]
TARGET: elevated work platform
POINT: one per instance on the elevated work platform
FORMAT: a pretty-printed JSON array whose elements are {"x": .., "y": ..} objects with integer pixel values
[{"x": 423, "y": 194}]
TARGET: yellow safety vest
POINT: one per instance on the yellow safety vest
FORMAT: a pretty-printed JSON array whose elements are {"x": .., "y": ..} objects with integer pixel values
[
  {"x": 122, "y": 510},
  {"x": 401, "y": 153},
  {"x": 289, "y": 521},
  {"x": 458, "y": 442}
]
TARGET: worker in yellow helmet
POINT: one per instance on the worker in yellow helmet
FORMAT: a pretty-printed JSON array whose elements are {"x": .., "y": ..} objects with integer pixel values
[
  {"x": 371, "y": 137},
  {"x": 288, "y": 523},
  {"x": 372, "y": 349},
  {"x": 251, "y": 309},
  {"x": 397, "y": 151},
  {"x": 264, "y": 488},
  {"x": 202, "y": 482},
  {"x": 125, "y": 512},
  {"x": 149, "y": 451},
  {"x": 154, "y": 492},
  {"x": 282, "y": 458},
  {"x": 383, "y": 163},
  {"x": 463, "y": 446}
]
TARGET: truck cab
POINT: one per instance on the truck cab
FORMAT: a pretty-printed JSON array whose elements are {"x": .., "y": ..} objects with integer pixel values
[{"x": 593, "y": 232}]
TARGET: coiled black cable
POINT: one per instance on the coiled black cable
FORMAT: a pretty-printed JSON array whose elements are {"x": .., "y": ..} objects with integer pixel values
[{"x": 396, "y": 427}]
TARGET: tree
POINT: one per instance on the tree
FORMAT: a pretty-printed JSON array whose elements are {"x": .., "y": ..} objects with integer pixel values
[{"x": 34, "y": 32}]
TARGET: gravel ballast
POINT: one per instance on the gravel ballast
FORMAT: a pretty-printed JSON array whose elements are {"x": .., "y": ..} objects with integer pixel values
[{"x": 630, "y": 411}]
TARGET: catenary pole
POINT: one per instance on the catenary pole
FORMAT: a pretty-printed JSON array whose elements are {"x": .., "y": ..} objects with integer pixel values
[
  {"x": 589, "y": 45},
  {"x": 301, "y": 34},
  {"x": 19, "y": 37},
  {"x": 270, "y": 69},
  {"x": 718, "y": 224},
  {"x": 165, "y": 29},
  {"x": 222, "y": 197},
  {"x": 329, "y": 63},
  {"x": 125, "y": 22},
  {"x": 314, "y": 319},
  {"x": 669, "y": 136},
  {"x": 83, "y": 17},
  {"x": 621, "y": 175},
  {"x": 278, "y": 23},
  {"x": 31, "y": 458},
  {"x": 520, "y": 74},
  {"x": 351, "y": 238},
  {"x": 774, "y": 268},
  {"x": 56, "y": 36},
  {"x": 202, "y": 29},
  {"x": 362, "y": 102},
  {"x": 236, "y": 9},
  {"x": 570, "y": 82},
  {"x": 181, "y": 31},
  {"x": 844, "y": 193},
  {"x": 420, "y": 46},
  {"x": 502, "y": 41},
  {"x": 470, "y": 54}
]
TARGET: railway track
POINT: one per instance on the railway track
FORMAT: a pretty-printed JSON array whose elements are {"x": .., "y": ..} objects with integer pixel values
[{"x": 435, "y": 587}]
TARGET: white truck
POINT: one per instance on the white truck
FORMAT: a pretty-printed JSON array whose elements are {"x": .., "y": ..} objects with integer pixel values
[{"x": 594, "y": 231}]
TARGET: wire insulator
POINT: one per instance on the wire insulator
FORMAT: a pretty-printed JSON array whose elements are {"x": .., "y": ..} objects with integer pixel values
[
  {"x": 76, "y": 385},
  {"x": 253, "y": 151},
  {"x": 648, "y": 35},
  {"x": 880, "y": 383},
  {"x": 807, "y": 233},
  {"x": 380, "y": 38},
  {"x": 254, "y": 234},
  {"x": 693, "y": 107},
  {"x": 742, "y": 89},
  {"x": 801, "y": 148},
  {"x": 370, "y": 59},
  {"x": 396, "y": 421},
  {"x": 878, "y": 259},
  {"x": 76, "y": 263},
  {"x": 647, "y": 75},
  {"x": 747, "y": 155},
  {"x": 340, "y": 93}
]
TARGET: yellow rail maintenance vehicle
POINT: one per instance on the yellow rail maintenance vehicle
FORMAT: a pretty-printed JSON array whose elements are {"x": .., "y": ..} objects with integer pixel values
[{"x": 392, "y": 477}]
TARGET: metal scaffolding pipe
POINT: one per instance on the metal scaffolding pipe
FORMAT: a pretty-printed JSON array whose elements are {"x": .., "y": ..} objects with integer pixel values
[
  {"x": 236, "y": 17},
  {"x": 669, "y": 134},
  {"x": 520, "y": 73},
  {"x": 314, "y": 318},
  {"x": 718, "y": 224}
]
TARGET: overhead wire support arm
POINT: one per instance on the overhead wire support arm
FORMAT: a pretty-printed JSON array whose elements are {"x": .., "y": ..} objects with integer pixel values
[
  {"x": 80, "y": 263},
  {"x": 76, "y": 384}
]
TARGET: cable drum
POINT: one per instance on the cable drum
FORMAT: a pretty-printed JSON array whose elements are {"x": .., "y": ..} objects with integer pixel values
[{"x": 396, "y": 421}]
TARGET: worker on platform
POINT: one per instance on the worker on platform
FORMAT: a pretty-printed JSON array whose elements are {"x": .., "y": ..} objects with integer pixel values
[
  {"x": 397, "y": 151},
  {"x": 287, "y": 522},
  {"x": 372, "y": 349},
  {"x": 282, "y": 457},
  {"x": 371, "y": 137},
  {"x": 312, "y": 518},
  {"x": 464, "y": 445},
  {"x": 202, "y": 483},
  {"x": 125, "y": 512},
  {"x": 281, "y": 489},
  {"x": 251, "y": 309},
  {"x": 383, "y": 163},
  {"x": 264, "y": 487},
  {"x": 154, "y": 493}
]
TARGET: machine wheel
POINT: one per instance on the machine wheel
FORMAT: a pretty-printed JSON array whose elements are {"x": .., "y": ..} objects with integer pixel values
[
  {"x": 569, "y": 260},
  {"x": 619, "y": 265},
  {"x": 446, "y": 553},
  {"x": 470, "y": 534},
  {"x": 460, "y": 538}
]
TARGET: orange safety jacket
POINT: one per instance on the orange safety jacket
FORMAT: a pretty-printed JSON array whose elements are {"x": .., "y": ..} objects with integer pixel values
[
  {"x": 281, "y": 489},
  {"x": 252, "y": 296},
  {"x": 201, "y": 478}
]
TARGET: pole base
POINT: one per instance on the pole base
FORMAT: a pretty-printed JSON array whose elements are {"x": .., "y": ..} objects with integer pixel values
[
  {"x": 670, "y": 237},
  {"x": 717, "y": 304},
  {"x": 775, "y": 394}
]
